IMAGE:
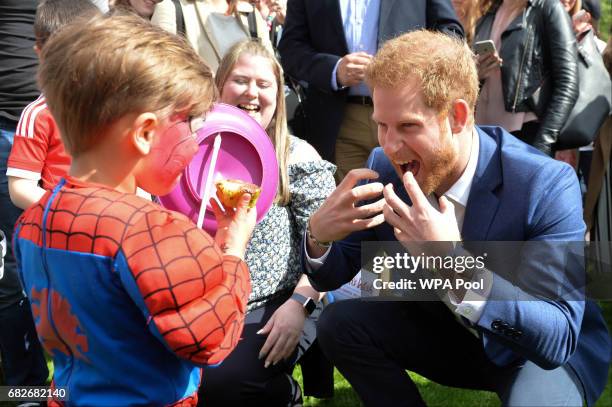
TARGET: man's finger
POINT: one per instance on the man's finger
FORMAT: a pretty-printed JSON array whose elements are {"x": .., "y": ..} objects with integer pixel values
[
  {"x": 395, "y": 203},
  {"x": 354, "y": 176},
  {"x": 366, "y": 192},
  {"x": 414, "y": 191},
  {"x": 391, "y": 217},
  {"x": 362, "y": 224},
  {"x": 369, "y": 210}
]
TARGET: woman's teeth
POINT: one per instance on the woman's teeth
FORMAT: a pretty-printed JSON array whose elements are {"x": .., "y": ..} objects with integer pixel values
[{"x": 249, "y": 108}]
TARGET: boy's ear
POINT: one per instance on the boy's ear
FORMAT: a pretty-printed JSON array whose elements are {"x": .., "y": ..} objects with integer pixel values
[
  {"x": 459, "y": 116},
  {"x": 143, "y": 131}
]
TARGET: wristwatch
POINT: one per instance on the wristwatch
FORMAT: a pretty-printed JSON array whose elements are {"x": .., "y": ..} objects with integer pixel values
[{"x": 308, "y": 303}]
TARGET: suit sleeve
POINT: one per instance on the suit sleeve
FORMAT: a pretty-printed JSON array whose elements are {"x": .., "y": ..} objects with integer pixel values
[
  {"x": 442, "y": 17},
  {"x": 298, "y": 56},
  {"x": 192, "y": 296},
  {"x": 539, "y": 315}
]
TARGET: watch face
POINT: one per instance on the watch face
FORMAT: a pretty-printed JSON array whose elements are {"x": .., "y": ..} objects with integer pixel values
[{"x": 310, "y": 306}]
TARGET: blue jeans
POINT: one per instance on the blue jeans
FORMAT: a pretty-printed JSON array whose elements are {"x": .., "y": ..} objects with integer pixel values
[{"x": 23, "y": 360}]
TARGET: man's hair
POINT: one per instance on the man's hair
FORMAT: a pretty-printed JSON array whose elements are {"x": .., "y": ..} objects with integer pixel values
[
  {"x": 52, "y": 15},
  {"x": 95, "y": 72},
  {"x": 443, "y": 65}
]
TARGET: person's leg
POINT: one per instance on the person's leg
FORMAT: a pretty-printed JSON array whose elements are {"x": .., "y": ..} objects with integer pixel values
[
  {"x": 533, "y": 386},
  {"x": 356, "y": 139},
  {"x": 373, "y": 343},
  {"x": 23, "y": 359},
  {"x": 242, "y": 379}
]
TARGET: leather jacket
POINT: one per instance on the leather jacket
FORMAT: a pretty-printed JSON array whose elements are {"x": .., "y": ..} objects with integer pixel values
[{"x": 538, "y": 46}]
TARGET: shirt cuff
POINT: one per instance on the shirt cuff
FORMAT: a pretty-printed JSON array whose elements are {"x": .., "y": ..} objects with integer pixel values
[
  {"x": 314, "y": 264},
  {"x": 475, "y": 300},
  {"x": 334, "y": 80},
  {"x": 20, "y": 173}
]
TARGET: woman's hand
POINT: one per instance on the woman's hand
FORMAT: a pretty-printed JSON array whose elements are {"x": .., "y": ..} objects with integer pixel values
[
  {"x": 234, "y": 226},
  {"x": 487, "y": 63},
  {"x": 284, "y": 329}
]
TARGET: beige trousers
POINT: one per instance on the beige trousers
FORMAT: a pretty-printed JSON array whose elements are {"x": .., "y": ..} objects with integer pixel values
[{"x": 356, "y": 139}]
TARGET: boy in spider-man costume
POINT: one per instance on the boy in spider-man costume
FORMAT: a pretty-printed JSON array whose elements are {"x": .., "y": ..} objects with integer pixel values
[{"x": 128, "y": 297}]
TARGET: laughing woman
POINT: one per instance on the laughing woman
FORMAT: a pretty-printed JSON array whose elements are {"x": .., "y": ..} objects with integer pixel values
[{"x": 283, "y": 308}]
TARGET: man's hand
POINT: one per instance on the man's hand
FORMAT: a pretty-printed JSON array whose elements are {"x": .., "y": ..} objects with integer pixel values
[
  {"x": 234, "y": 226},
  {"x": 351, "y": 69},
  {"x": 284, "y": 329},
  {"x": 487, "y": 63},
  {"x": 421, "y": 222},
  {"x": 338, "y": 216}
]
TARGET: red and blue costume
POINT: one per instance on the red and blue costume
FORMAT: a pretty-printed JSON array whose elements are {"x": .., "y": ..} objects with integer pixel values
[{"x": 128, "y": 298}]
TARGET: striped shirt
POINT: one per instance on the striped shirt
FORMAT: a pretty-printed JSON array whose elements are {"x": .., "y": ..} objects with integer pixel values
[{"x": 38, "y": 152}]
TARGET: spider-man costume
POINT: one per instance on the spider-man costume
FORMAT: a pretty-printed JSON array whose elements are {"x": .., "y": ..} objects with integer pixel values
[{"x": 128, "y": 297}]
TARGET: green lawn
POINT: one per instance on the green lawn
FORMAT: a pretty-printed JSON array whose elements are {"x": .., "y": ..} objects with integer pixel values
[{"x": 436, "y": 395}]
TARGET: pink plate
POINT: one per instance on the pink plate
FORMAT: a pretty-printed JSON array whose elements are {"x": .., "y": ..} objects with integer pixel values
[{"x": 246, "y": 154}]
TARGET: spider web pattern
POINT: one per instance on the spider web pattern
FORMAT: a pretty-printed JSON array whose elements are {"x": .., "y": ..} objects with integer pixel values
[{"x": 195, "y": 296}]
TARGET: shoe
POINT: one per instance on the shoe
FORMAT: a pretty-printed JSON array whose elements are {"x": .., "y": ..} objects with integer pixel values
[{"x": 296, "y": 391}]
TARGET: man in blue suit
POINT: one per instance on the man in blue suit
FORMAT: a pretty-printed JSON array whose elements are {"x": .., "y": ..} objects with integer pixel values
[{"x": 444, "y": 179}]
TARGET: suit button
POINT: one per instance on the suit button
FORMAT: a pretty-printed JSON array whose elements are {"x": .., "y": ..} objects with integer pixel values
[
  {"x": 496, "y": 324},
  {"x": 509, "y": 332},
  {"x": 518, "y": 333}
]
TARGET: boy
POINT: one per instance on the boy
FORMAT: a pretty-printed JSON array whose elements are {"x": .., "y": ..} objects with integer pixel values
[
  {"x": 38, "y": 160},
  {"x": 129, "y": 297}
]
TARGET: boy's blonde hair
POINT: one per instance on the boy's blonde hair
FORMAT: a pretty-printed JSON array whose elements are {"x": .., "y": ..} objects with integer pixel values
[
  {"x": 96, "y": 71},
  {"x": 443, "y": 65},
  {"x": 277, "y": 130}
]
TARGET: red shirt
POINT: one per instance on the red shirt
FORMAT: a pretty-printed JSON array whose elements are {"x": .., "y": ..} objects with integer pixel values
[{"x": 38, "y": 152}]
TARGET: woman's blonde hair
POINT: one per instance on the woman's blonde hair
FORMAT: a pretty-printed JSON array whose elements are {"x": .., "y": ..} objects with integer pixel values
[
  {"x": 277, "y": 129},
  {"x": 94, "y": 72}
]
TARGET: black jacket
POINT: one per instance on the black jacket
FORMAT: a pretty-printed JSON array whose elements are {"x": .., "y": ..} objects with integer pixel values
[
  {"x": 313, "y": 41},
  {"x": 539, "y": 71}
]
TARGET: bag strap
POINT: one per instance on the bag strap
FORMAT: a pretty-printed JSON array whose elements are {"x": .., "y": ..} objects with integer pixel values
[
  {"x": 252, "y": 24},
  {"x": 180, "y": 21}
]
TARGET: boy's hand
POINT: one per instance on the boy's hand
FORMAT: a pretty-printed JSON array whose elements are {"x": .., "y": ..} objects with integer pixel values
[{"x": 235, "y": 226}]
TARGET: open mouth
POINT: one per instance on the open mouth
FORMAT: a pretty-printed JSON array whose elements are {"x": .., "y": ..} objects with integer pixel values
[
  {"x": 412, "y": 166},
  {"x": 250, "y": 108}
]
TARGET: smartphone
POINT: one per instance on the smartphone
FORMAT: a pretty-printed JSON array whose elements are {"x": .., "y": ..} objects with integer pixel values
[{"x": 484, "y": 47}]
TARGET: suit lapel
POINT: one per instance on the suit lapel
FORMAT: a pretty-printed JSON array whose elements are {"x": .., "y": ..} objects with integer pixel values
[
  {"x": 336, "y": 18},
  {"x": 483, "y": 202},
  {"x": 385, "y": 11}
]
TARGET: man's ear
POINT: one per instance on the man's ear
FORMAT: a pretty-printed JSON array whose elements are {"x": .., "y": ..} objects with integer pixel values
[
  {"x": 460, "y": 115},
  {"x": 143, "y": 132}
]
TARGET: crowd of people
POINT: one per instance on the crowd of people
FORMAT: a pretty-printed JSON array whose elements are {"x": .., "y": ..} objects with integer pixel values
[{"x": 448, "y": 121}]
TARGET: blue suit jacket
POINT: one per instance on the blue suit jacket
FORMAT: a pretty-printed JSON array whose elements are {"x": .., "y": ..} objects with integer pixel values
[{"x": 517, "y": 194}]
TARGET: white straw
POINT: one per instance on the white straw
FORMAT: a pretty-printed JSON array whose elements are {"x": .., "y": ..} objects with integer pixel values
[{"x": 209, "y": 178}]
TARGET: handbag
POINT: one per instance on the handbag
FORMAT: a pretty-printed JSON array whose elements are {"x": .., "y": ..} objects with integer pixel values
[{"x": 594, "y": 98}]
